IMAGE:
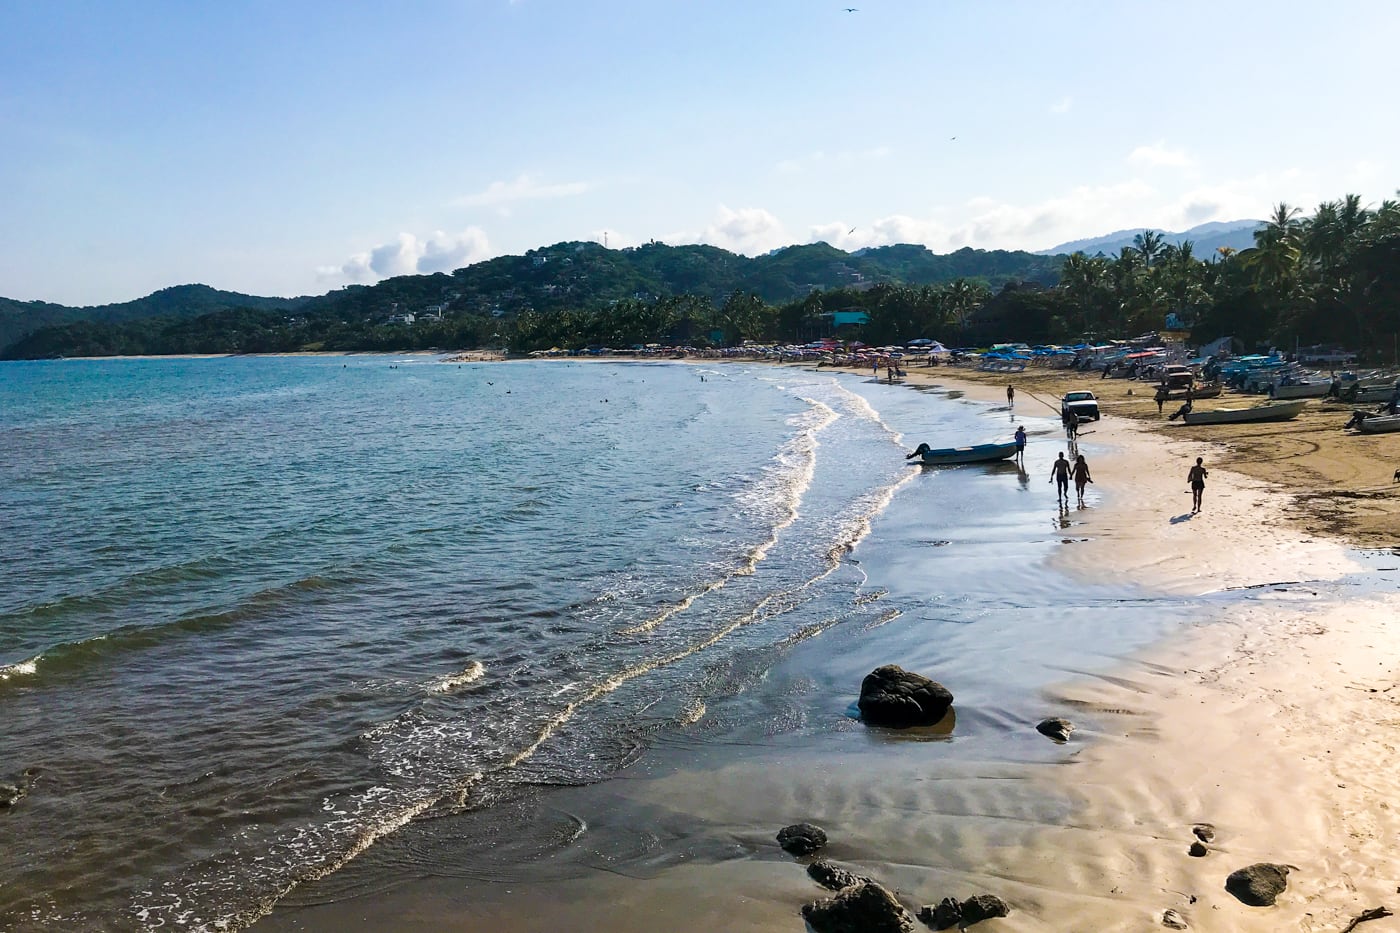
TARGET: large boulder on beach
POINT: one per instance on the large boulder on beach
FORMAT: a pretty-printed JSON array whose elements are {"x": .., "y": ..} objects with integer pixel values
[
  {"x": 892, "y": 696},
  {"x": 861, "y": 908},
  {"x": 1258, "y": 885},
  {"x": 833, "y": 876},
  {"x": 801, "y": 838}
]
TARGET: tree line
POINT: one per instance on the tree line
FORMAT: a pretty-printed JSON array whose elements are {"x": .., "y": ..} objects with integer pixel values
[{"x": 1329, "y": 277}]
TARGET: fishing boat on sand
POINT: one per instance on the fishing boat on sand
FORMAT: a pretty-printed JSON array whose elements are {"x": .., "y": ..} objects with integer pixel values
[
  {"x": 1276, "y": 411},
  {"x": 924, "y": 455},
  {"x": 1378, "y": 424}
]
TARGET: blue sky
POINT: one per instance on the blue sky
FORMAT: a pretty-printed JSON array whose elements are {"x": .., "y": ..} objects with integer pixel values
[{"x": 284, "y": 148}]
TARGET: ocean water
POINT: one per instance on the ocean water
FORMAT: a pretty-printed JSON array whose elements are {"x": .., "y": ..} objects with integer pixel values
[{"x": 258, "y": 616}]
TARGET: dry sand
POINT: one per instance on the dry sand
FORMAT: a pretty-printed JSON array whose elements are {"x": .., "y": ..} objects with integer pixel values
[{"x": 1278, "y": 725}]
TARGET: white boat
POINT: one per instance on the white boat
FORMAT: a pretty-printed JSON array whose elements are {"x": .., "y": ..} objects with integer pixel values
[
  {"x": 1379, "y": 424},
  {"x": 1300, "y": 390},
  {"x": 1275, "y": 411}
]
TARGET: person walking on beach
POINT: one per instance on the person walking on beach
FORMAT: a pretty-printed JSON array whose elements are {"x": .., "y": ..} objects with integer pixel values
[
  {"x": 1059, "y": 475},
  {"x": 1081, "y": 476},
  {"x": 1020, "y": 443},
  {"x": 1071, "y": 421},
  {"x": 1010, "y": 396},
  {"x": 1161, "y": 397},
  {"x": 1197, "y": 478}
]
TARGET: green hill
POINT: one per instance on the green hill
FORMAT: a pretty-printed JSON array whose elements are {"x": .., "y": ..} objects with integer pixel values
[{"x": 477, "y": 301}]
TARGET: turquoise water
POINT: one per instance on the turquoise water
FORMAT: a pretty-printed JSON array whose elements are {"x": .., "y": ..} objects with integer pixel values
[{"x": 258, "y": 615}]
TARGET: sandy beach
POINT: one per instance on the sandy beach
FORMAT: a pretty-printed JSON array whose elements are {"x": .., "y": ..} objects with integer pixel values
[
  {"x": 1275, "y": 725},
  {"x": 1271, "y": 719}
]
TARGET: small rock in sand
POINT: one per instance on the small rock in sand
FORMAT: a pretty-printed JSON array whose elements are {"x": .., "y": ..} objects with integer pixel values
[
  {"x": 801, "y": 838},
  {"x": 949, "y": 913},
  {"x": 1173, "y": 920},
  {"x": 832, "y": 876},
  {"x": 981, "y": 907},
  {"x": 1258, "y": 885},
  {"x": 1057, "y": 729},
  {"x": 1204, "y": 831},
  {"x": 862, "y": 908},
  {"x": 1198, "y": 850}
]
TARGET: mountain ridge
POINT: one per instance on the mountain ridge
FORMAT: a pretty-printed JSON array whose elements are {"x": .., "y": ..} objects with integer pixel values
[{"x": 1205, "y": 239}]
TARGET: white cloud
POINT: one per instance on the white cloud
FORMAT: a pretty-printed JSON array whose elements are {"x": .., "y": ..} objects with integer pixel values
[
  {"x": 1062, "y": 105},
  {"x": 749, "y": 230},
  {"x": 1160, "y": 155},
  {"x": 408, "y": 255},
  {"x": 523, "y": 188}
]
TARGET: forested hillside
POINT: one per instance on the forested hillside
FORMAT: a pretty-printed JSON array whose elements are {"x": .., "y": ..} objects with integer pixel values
[{"x": 482, "y": 300}]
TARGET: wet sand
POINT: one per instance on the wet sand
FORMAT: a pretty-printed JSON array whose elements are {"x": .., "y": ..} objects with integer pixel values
[{"x": 1275, "y": 720}]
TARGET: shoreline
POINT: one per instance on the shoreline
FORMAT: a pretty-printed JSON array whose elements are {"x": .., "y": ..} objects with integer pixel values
[{"x": 1271, "y": 718}]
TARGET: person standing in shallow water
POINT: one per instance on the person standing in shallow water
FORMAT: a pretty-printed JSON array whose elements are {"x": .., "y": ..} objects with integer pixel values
[
  {"x": 1081, "y": 476},
  {"x": 1197, "y": 478},
  {"x": 1059, "y": 475},
  {"x": 1020, "y": 443},
  {"x": 1010, "y": 396}
]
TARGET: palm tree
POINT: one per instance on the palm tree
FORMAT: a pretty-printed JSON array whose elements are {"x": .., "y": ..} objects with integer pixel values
[
  {"x": 1148, "y": 243},
  {"x": 964, "y": 298}
]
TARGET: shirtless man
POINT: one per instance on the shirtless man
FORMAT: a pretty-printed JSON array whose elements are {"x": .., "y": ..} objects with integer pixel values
[
  {"x": 1197, "y": 478},
  {"x": 1059, "y": 474}
]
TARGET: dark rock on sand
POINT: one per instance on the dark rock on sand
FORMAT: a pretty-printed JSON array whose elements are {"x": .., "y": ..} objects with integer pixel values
[
  {"x": 947, "y": 914},
  {"x": 1057, "y": 729},
  {"x": 981, "y": 907},
  {"x": 832, "y": 876},
  {"x": 1173, "y": 920},
  {"x": 801, "y": 838},
  {"x": 1258, "y": 885},
  {"x": 1204, "y": 832},
  {"x": 862, "y": 908},
  {"x": 892, "y": 696},
  {"x": 1198, "y": 849}
]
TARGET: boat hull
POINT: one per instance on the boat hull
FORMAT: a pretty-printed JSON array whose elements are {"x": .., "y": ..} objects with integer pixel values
[
  {"x": 1379, "y": 424},
  {"x": 978, "y": 453},
  {"x": 1303, "y": 390},
  {"x": 1279, "y": 411}
]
